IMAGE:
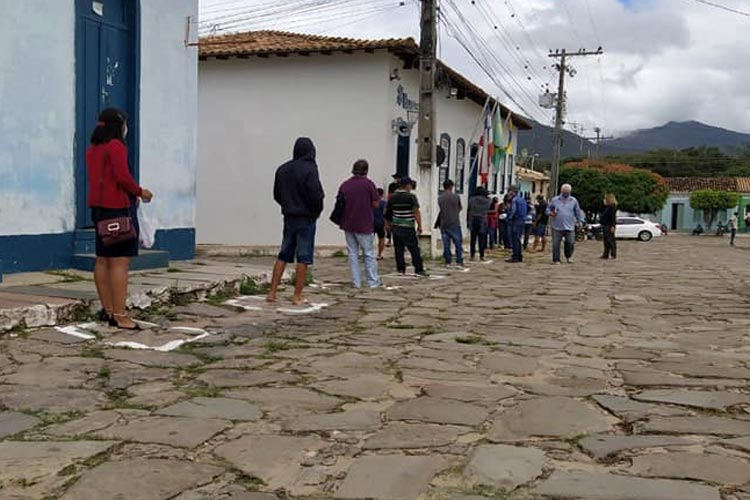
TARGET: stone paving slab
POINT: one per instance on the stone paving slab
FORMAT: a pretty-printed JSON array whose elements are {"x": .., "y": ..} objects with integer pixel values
[
  {"x": 698, "y": 425},
  {"x": 439, "y": 411},
  {"x": 602, "y": 486},
  {"x": 711, "y": 468},
  {"x": 399, "y": 435},
  {"x": 712, "y": 400},
  {"x": 276, "y": 460},
  {"x": 141, "y": 479},
  {"x": 182, "y": 432},
  {"x": 389, "y": 477},
  {"x": 12, "y": 422},
  {"x": 602, "y": 447},
  {"x": 214, "y": 408},
  {"x": 505, "y": 467}
]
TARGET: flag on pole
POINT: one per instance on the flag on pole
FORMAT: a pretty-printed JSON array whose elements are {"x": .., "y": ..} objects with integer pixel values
[
  {"x": 509, "y": 145},
  {"x": 487, "y": 147},
  {"x": 498, "y": 142}
]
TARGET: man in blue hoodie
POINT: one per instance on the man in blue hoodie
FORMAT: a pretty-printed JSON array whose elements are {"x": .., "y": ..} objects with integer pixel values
[
  {"x": 298, "y": 191},
  {"x": 516, "y": 220}
]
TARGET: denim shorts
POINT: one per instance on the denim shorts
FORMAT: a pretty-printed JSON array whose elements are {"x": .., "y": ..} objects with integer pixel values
[
  {"x": 540, "y": 230},
  {"x": 299, "y": 240}
]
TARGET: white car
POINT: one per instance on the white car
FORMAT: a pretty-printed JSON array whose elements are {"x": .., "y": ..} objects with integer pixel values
[{"x": 636, "y": 228}]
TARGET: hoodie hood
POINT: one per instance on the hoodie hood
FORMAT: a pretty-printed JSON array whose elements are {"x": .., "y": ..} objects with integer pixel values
[{"x": 304, "y": 149}]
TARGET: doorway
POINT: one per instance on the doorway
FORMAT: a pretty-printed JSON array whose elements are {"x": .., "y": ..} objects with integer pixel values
[
  {"x": 106, "y": 76},
  {"x": 677, "y": 216},
  {"x": 403, "y": 150}
]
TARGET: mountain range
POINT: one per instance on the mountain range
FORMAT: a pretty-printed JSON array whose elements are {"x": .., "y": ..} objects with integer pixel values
[{"x": 672, "y": 135}]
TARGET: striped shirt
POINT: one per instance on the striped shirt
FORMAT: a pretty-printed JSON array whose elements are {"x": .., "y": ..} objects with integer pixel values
[{"x": 402, "y": 209}]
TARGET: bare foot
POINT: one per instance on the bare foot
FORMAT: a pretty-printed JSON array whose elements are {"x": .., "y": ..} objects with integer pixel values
[
  {"x": 271, "y": 299},
  {"x": 300, "y": 301}
]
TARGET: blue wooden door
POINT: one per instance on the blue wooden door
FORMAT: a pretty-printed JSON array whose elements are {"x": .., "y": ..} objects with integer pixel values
[{"x": 106, "y": 72}]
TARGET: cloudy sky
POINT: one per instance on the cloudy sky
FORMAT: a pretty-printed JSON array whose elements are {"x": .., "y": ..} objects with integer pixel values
[{"x": 664, "y": 59}]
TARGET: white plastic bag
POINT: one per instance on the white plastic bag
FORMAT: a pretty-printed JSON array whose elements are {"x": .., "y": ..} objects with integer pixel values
[{"x": 148, "y": 225}]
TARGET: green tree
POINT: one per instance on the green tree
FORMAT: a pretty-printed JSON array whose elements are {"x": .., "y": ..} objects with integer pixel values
[
  {"x": 711, "y": 202},
  {"x": 637, "y": 190}
]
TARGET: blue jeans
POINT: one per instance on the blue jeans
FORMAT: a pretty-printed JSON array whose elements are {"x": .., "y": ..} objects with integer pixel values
[
  {"x": 299, "y": 240},
  {"x": 492, "y": 233},
  {"x": 570, "y": 241},
  {"x": 478, "y": 229},
  {"x": 453, "y": 235},
  {"x": 516, "y": 233},
  {"x": 365, "y": 242}
]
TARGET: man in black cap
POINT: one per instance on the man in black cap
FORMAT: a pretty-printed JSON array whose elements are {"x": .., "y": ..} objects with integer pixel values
[{"x": 402, "y": 214}]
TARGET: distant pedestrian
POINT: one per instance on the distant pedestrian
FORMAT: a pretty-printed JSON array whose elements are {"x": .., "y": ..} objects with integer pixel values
[
  {"x": 608, "y": 220},
  {"x": 540, "y": 225},
  {"x": 402, "y": 215},
  {"x": 747, "y": 222},
  {"x": 733, "y": 224},
  {"x": 476, "y": 220},
  {"x": 529, "y": 222},
  {"x": 361, "y": 198},
  {"x": 379, "y": 214},
  {"x": 492, "y": 223},
  {"x": 516, "y": 222},
  {"x": 566, "y": 213},
  {"x": 505, "y": 235},
  {"x": 450, "y": 224},
  {"x": 298, "y": 191}
]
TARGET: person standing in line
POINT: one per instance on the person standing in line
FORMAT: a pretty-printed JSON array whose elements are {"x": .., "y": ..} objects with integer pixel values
[
  {"x": 747, "y": 221},
  {"x": 516, "y": 222},
  {"x": 300, "y": 195},
  {"x": 492, "y": 223},
  {"x": 733, "y": 224},
  {"x": 476, "y": 220},
  {"x": 361, "y": 198},
  {"x": 540, "y": 225},
  {"x": 392, "y": 188},
  {"x": 529, "y": 222},
  {"x": 401, "y": 215},
  {"x": 608, "y": 220},
  {"x": 505, "y": 236},
  {"x": 379, "y": 214},
  {"x": 566, "y": 213},
  {"x": 111, "y": 187},
  {"x": 450, "y": 224}
]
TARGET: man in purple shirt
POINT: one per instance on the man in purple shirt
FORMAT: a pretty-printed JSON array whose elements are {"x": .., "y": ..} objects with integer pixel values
[{"x": 360, "y": 196}]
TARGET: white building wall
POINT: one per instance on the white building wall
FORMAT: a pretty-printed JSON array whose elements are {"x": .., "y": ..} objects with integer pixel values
[
  {"x": 38, "y": 121},
  {"x": 37, "y": 117},
  {"x": 169, "y": 110},
  {"x": 250, "y": 113}
]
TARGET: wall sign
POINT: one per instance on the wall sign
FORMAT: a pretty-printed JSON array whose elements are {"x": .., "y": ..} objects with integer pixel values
[{"x": 402, "y": 99}]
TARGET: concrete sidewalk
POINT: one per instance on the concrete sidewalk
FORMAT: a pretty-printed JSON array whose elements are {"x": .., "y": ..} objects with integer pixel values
[{"x": 34, "y": 300}]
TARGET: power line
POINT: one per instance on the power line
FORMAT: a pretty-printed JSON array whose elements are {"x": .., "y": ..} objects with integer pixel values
[{"x": 723, "y": 7}]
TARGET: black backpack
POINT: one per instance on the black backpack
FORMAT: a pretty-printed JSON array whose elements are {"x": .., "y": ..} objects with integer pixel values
[{"x": 337, "y": 216}]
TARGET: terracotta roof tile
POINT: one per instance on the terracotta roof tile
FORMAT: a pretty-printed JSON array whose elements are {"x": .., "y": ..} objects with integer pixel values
[
  {"x": 279, "y": 42},
  {"x": 267, "y": 43},
  {"x": 689, "y": 184}
]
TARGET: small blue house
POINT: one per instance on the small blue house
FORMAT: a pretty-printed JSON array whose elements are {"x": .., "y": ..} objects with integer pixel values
[
  {"x": 677, "y": 214},
  {"x": 62, "y": 62}
]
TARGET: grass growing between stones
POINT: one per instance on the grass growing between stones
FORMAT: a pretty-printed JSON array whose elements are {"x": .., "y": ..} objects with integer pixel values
[
  {"x": 67, "y": 276},
  {"x": 46, "y": 418},
  {"x": 487, "y": 492},
  {"x": 193, "y": 350},
  {"x": 248, "y": 286},
  {"x": 207, "y": 391},
  {"x": 220, "y": 296},
  {"x": 92, "y": 351}
]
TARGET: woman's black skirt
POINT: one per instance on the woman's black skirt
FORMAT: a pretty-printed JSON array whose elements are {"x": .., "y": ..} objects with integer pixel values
[{"x": 126, "y": 249}]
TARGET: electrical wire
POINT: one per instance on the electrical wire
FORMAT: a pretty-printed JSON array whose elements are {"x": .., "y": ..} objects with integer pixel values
[{"x": 724, "y": 7}]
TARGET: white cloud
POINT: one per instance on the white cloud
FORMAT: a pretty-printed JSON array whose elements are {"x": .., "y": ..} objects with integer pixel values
[{"x": 664, "y": 59}]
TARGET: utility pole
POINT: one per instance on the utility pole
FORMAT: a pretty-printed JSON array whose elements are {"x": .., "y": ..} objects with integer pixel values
[
  {"x": 427, "y": 122},
  {"x": 599, "y": 139},
  {"x": 563, "y": 68}
]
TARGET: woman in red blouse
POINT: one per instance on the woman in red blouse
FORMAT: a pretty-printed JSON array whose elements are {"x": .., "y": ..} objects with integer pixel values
[{"x": 111, "y": 187}]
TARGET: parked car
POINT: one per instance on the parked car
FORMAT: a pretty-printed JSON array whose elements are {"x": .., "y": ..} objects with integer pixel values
[{"x": 637, "y": 228}]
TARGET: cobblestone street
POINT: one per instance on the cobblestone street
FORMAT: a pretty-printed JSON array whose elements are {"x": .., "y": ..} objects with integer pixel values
[{"x": 624, "y": 379}]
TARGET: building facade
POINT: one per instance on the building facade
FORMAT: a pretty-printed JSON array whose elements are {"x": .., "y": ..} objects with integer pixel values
[
  {"x": 532, "y": 182},
  {"x": 356, "y": 99},
  {"x": 62, "y": 62},
  {"x": 677, "y": 214}
]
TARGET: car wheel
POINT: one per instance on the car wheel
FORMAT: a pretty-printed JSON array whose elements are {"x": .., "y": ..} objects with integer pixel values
[{"x": 645, "y": 236}]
